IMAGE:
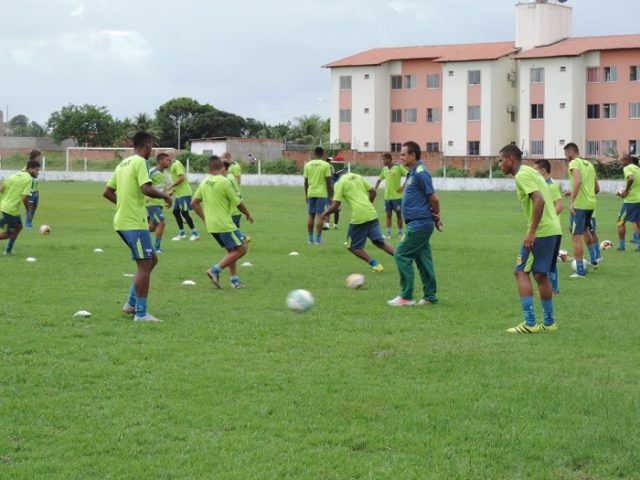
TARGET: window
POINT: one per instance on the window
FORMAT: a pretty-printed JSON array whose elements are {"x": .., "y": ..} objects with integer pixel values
[
  {"x": 593, "y": 111},
  {"x": 433, "y": 81},
  {"x": 410, "y": 82},
  {"x": 396, "y": 82},
  {"x": 592, "y": 75},
  {"x": 450, "y": 143},
  {"x": 537, "y": 75},
  {"x": 610, "y": 147},
  {"x": 473, "y": 113},
  {"x": 366, "y": 144},
  {"x": 345, "y": 116},
  {"x": 634, "y": 73},
  {"x": 396, "y": 115},
  {"x": 593, "y": 148},
  {"x": 473, "y": 148},
  {"x": 410, "y": 115},
  {"x": 433, "y": 147},
  {"x": 366, "y": 76},
  {"x": 537, "y": 147},
  {"x": 207, "y": 152},
  {"x": 633, "y": 146},
  {"x": 634, "y": 110},
  {"x": 345, "y": 82},
  {"x": 563, "y": 106},
  {"x": 610, "y": 74},
  {"x": 366, "y": 110},
  {"x": 450, "y": 108},
  {"x": 561, "y": 142},
  {"x": 537, "y": 111},
  {"x": 563, "y": 69},
  {"x": 396, "y": 147},
  {"x": 474, "y": 77},
  {"x": 433, "y": 115},
  {"x": 451, "y": 73},
  {"x": 610, "y": 110}
]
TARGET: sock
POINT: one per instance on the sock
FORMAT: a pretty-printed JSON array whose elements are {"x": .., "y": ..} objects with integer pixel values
[
  {"x": 547, "y": 309},
  {"x": 580, "y": 267},
  {"x": 592, "y": 254},
  {"x": 553, "y": 278},
  {"x": 181, "y": 233},
  {"x": 235, "y": 279},
  {"x": 596, "y": 247},
  {"x": 216, "y": 268},
  {"x": 10, "y": 244},
  {"x": 388, "y": 232},
  {"x": 157, "y": 245},
  {"x": 373, "y": 262},
  {"x": 194, "y": 232},
  {"x": 132, "y": 296},
  {"x": 636, "y": 236},
  {"x": 318, "y": 237},
  {"x": 141, "y": 306},
  {"x": 399, "y": 233},
  {"x": 621, "y": 244},
  {"x": 310, "y": 236},
  {"x": 188, "y": 219},
  {"x": 528, "y": 311}
]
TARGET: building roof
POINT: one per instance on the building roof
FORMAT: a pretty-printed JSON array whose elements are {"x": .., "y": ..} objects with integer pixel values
[
  {"x": 437, "y": 53},
  {"x": 574, "y": 47},
  {"x": 238, "y": 139}
]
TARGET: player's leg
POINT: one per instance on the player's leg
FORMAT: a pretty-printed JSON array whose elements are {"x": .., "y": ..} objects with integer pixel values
[
  {"x": 377, "y": 238},
  {"x": 591, "y": 240},
  {"x": 405, "y": 255},
  {"x": 236, "y": 248},
  {"x": 159, "y": 233},
  {"x": 622, "y": 230},
  {"x": 399, "y": 219},
  {"x": 546, "y": 250},
  {"x": 636, "y": 225},
  {"x": 320, "y": 207},
  {"x": 311, "y": 216},
  {"x": 184, "y": 211},
  {"x": 525, "y": 290},
  {"x": 388, "y": 210},
  {"x": 634, "y": 218},
  {"x": 178, "y": 216},
  {"x": 336, "y": 219},
  {"x": 424, "y": 262},
  {"x": 636, "y": 234},
  {"x": 580, "y": 224},
  {"x": 13, "y": 225}
]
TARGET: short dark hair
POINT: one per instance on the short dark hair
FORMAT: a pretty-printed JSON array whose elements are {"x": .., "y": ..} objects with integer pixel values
[
  {"x": 572, "y": 146},
  {"x": 215, "y": 162},
  {"x": 318, "y": 152},
  {"x": 634, "y": 160},
  {"x": 544, "y": 163},
  {"x": 140, "y": 139},
  {"x": 412, "y": 148},
  {"x": 387, "y": 156},
  {"x": 511, "y": 150},
  {"x": 34, "y": 154},
  {"x": 33, "y": 164},
  {"x": 226, "y": 164},
  {"x": 162, "y": 156}
]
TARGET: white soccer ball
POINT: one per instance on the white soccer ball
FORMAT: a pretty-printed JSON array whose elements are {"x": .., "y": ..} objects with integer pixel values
[
  {"x": 606, "y": 245},
  {"x": 45, "y": 229},
  {"x": 620, "y": 191},
  {"x": 563, "y": 255},
  {"x": 300, "y": 300},
  {"x": 355, "y": 280},
  {"x": 574, "y": 264}
]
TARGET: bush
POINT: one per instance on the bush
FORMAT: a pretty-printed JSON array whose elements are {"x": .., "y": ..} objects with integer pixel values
[
  {"x": 609, "y": 170},
  {"x": 365, "y": 170},
  {"x": 197, "y": 163},
  {"x": 497, "y": 173},
  {"x": 452, "y": 172},
  {"x": 280, "y": 166}
]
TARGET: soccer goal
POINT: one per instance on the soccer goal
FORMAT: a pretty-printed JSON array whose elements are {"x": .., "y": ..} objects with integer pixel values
[{"x": 78, "y": 159}]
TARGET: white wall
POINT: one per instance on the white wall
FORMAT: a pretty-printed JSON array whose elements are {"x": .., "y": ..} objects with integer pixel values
[
  {"x": 542, "y": 24},
  {"x": 217, "y": 147},
  {"x": 500, "y": 130},
  {"x": 454, "y": 93}
]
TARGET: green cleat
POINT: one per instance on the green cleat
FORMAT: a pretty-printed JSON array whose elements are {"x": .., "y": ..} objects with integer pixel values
[
  {"x": 524, "y": 328},
  {"x": 548, "y": 328}
]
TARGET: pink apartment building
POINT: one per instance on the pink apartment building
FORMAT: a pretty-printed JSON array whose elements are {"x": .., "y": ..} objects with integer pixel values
[{"x": 541, "y": 91}]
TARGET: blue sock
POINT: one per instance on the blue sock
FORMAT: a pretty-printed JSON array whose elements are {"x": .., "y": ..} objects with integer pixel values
[
  {"x": 553, "y": 278},
  {"x": 310, "y": 236},
  {"x": 235, "y": 279},
  {"x": 388, "y": 232},
  {"x": 194, "y": 232},
  {"x": 182, "y": 233},
  {"x": 318, "y": 237},
  {"x": 621, "y": 245},
  {"x": 216, "y": 268},
  {"x": 547, "y": 311},
  {"x": 528, "y": 311},
  {"x": 10, "y": 244},
  {"x": 373, "y": 262},
  {"x": 141, "y": 306},
  {"x": 636, "y": 236},
  {"x": 132, "y": 296},
  {"x": 596, "y": 247},
  {"x": 593, "y": 254},
  {"x": 157, "y": 245},
  {"x": 580, "y": 267}
]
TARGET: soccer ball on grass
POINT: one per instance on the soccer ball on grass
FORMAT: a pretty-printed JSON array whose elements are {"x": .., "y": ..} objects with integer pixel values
[
  {"x": 300, "y": 300},
  {"x": 574, "y": 265},
  {"x": 355, "y": 281},
  {"x": 45, "y": 229}
]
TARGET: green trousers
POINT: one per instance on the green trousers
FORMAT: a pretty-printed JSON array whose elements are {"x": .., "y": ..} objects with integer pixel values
[{"x": 415, "y": 248}]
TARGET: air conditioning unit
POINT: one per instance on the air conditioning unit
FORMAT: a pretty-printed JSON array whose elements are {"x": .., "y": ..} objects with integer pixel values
[
  {"x": 511, "y": 108},
  {"x": 511, "y": 76}
]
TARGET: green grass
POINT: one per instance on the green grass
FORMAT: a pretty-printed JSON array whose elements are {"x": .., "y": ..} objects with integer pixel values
[{"x": 232, "y": 385}]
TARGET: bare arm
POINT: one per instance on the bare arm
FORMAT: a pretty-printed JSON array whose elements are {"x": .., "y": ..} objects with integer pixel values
[
  {"x": 110, "y": 194},
  {"x": 179, "y": 180},
  {"x": 25, "y": 201},
  {"x": 329, "y": 186},
  {"x": 195, "y": 204},
  {"x": 538, "y": 209},
  {"x": 333, "y": 208},
  {"x": 306, "y": 188},
  {"x": 627, "y": 187},
  {"x": 243, "y": 208},
  {"x": 596, "y": 186},
  {"x": 378, "y": 182},
  {"x": 372, "y": 195},
  {"x": 239, "y": 180},
  {"x": 149, "y": 191},
  {"x": 558, "y": 206},
  {"x": 434, "y": 201}
]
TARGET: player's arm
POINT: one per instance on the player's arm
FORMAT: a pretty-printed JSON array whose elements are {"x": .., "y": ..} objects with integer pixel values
[
  {"x": 377, "y": 185},
  {"x": 558, "y": 205},
  {"x": 596, "y": 186},
  {"x": 329, "y": 186},
  {"x": 575, "y": 188},
  {"x": 239, "y": 179},
  {"x": 306, "y": 188},
  {"x": 243, "y": 208},
  {"x": 195, "y": 204},
  {"x": 538, "y": 209},
  {"x": 627, "y": 187},
  {"x": 404, "y": 184},
  {"x": 372, "y": 195},
  {"x": 149, "y": 191},
  {"x": 434, "y": 201},
  {"x": 110, "y": 194},
  {"x": 333, "y": 208},
  {"x": 25, "y": 201}
]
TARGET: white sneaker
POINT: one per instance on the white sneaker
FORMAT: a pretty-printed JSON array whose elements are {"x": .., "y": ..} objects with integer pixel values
[
  {"x": 147, "y": 318},
  {"x": 577, "y": 275},
  {"x": 128, "y": 309},
  {"x": 401, "y": 302},
  {"x": 193, "y": 238},
  {"x": 179, "y": 237}
]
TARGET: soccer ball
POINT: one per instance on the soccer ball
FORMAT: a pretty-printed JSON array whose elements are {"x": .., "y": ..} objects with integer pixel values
[
  {"x": 45, "y": 229},
  {"x": 563, "y": 255},
  {"x": 355, "y": 280},
  {"x": 606, "y": 245},
  {"x": 300, "y": 300},
  {"x": 620, "y": 191},
  {"x": 585, "y": 264}
]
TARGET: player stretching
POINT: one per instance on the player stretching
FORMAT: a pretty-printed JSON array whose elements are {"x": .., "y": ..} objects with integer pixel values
[
  {"x": 317, "y": 187},
  {"x": 234, "y": 168},
  {"x": 127, "y": 188},
  {"x": 630, "y": 210},
  {"x": 539, "y": 251},
  {"x": 182, "y": 203},
  {"x": 35, "y": 192},
  {"x": 359, "y": 195},
  {"x": 392, "y": 173},
  {"x": 214, "y": 201},
  {"x": 155, "y": 206},
  {"x": 16, "y": 191},
  {"x": 584, "y": 187}
]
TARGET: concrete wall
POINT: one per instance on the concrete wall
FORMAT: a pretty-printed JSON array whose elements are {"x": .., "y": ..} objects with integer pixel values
[
  {"x": 40, "y": 143},
  {"x": 542, "y": 24},
  {"x": 240, "y": 148}
]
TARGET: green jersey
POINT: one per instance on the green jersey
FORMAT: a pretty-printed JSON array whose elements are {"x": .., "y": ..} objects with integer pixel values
[
  {"x": 218, "y": 197},
  {"x": 16, "y": 187},
  {"x": 183, "y": 189},
  {"x": 234, "y": 209},
  {"x": 586, "y": 199},
  {"x": 159, "y": 181},
  {"x": 393, "y": 177},
  {"x": 316, "y": 172},
  {"x": 354, "y": 190},
  {"x": 632, "y": 170},
  {"x": 235, "y": 170},
  {"x": 529, "y": 180},
  {"x": 129, "y": 176}
]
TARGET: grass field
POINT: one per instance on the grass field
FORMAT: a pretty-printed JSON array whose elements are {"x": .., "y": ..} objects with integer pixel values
[{"x": 232, "y": 385}]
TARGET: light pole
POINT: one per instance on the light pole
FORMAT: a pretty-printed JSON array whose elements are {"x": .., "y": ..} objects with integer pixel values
[{"x": 179, "y": 122}]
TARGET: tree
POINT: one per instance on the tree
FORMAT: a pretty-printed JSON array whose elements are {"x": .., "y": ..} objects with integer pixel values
[
  {"x": 20, "y": 126},
  {"x": 310, "y": 130},
  {"x": 86, "y": 125},
  {"x": 144, "y": 123}
]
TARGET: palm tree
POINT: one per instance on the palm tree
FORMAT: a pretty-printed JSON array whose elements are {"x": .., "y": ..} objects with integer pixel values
[
  {"x": 309, "y": 130},
  {"x": 144, "y": 123}
]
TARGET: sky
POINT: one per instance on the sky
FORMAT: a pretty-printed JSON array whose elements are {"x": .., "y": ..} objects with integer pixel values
[{"x": 256, "y": 58}]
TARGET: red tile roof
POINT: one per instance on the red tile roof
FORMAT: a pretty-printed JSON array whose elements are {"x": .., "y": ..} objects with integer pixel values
[
  {"x": 437, "y": 53},
  {"x": 574, "y": 47}
]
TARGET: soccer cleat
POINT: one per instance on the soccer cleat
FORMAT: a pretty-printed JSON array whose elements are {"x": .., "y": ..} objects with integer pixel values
[
  {"x": 8, "y": 253},
  {"x": 401, "y": 302},
  {"x": 321, "y": 242},
  {"x": 524, "y": 328},
  {"x": 247, "y": 239},
  {"x": 147, "y": 318},
  {"x": 214, "y": 277},
  {"x": 335, "y": 226},
  {"x": 424, "y": 301},
  {"x": 549, "y": 328},
  {"x": 326, "y": 227},
  {"x": 237, "y": 285},
  {"x": 193, "y": 238},
  {"x": 179, "y": 237},
  {"x": 158, "y": 251},
  {"x": 128, "y": 309},
  {"x": 378, "y": 268},
  {"x": 28, "y": 225},
  {"x": 621, "y": 249},
  {"x": 577, "y": 275}
]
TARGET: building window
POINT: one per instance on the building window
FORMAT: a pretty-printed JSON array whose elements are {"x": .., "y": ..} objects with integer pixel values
[
  {"x": 396, "y": 147},
  {"x": 410, "y": 82},
  {"x": 537, "y": 75},
  {"x": 610, "y": 147},
  {"x": 563, "y": 106},
  {"x": 366, "y": 144},
  {"x": 473, "y": 113},
  {"x": 593, "y": 75},
  {"x": 593, "y": 148},
  {"x": 450, "y": 108},
  {"x": 537, "y": 111},
  {"x": 473, "y": 148},
  {"x": 450, "y": 143},
  {"x": 396, "y": 82},
  {"x": 634, "y": 73},
  {"x": 537, "y": 147},
  {"x": 366, "y": 76},
  {"x": 451, "y": 73},
  {"x": 396, "y": 115},
  {"x": 345, "y": 82},
  {"x": 610, "y": 110},
  {"x": 433, "y": 147},
  {"x": 563, "y": 69},
  {"x": 610, "y": 74},
  {"x": 366, "y": 110},
  {"x": 410, "y": 115},
  {"x": 433, "y": 115},
  {"x": 633, "y": 146},
  {"x": 593, "y": 111},
  {"x": 474, "y": 77},
  {"x": 634, "y": 110},
  {"x": 561, "y": 142},
  {"x": 345, "y": 116},
  {"x": 433, "y": 80}
]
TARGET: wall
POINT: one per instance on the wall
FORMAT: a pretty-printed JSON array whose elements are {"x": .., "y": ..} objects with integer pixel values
[
  {"x": 30, "y": 143},
  {"x": 542, "y": 24},
  {"x": 240, "y": 148}
]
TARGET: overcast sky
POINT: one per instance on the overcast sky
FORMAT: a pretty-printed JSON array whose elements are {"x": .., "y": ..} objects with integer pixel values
[{"x": 256, "y": 58}]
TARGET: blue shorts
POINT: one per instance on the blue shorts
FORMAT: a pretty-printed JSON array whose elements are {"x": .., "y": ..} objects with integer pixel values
[
  {"x": 394, "y": 205},
  {"x": 629, "y": 212},
  {"x": 358, "y": 234},
  {"x": 139, "y": 241},
  {"x": 10, "y": 222},
  {"x": 34, "y": 198},
  {"x": 580, "y": 222},
  {"x": 182, "y": 203},
  {"x": 229, "y": 240},
  {"x": 316, "y": 205},
  {"x": 155, "y": 215},
  {"x": 236, "y": 219},
  {"x": 542, "y": 257}
]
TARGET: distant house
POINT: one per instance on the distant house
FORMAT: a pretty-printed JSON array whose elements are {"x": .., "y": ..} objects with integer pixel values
[{"x": 246, "y": 149}]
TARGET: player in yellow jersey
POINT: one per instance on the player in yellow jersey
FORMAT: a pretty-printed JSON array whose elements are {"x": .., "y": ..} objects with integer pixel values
[
  {"x": 392, "y": 174},
  {"x": 317, "y": 188},
  {"x": 630, "y": 211}
]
